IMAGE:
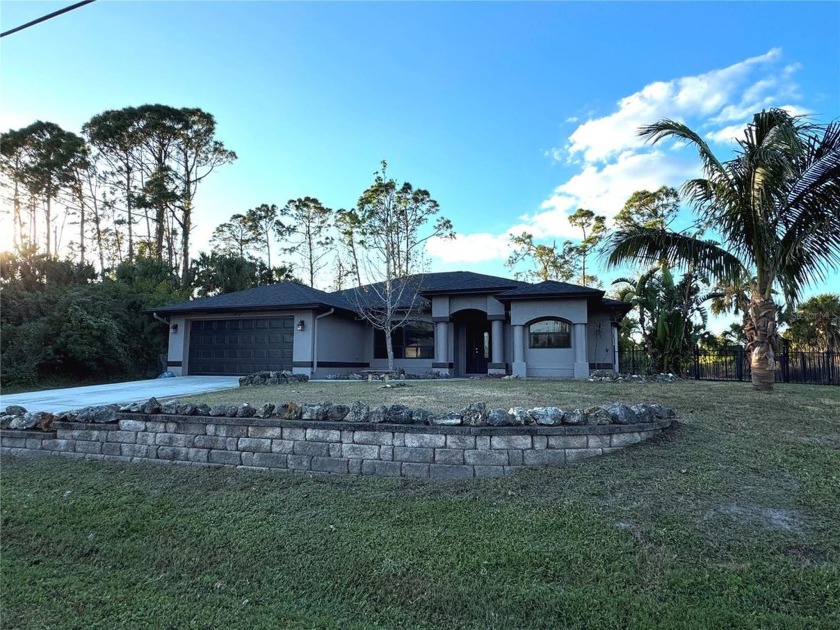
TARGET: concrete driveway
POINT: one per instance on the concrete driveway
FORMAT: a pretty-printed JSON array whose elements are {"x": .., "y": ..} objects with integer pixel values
[{"x": 133, "y": 391}]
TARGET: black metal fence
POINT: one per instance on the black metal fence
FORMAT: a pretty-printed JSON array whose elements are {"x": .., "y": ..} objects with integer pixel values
[{"x": 733, "y": 364}]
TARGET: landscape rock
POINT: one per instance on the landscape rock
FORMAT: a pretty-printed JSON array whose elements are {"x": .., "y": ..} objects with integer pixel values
[
  {"x": 245, "y": 411},
  {"x": 15, "y": 410},
  {"x": 272, "y": 378},
  {"x": 44, "y": 420},
  {"x": 597, "y": 415},
  {"x": 621, "y": 414},
  {"x": 421, "y": 416},
  {"x": 520, "y": 415},
  {"x": 578, "y": 416},
  {"x": 264, "y": 411},
  {"x": 314, "y": 412},
  {"x": 289, "y": 411},
  {"x": 186, "y": 409},
  {"x": 500, "y": 418},
  {"x": 398, "y": 414},
  {"x": 378, "y": 414},
  {"x": 202, "y": 410},
  {"x": 103, "y": 414},
  {"x": 151, "y": 406},
  {"x": 609, "y": 376},
  {"x": 474, "y": 414},
  {"x": 337, "y": 413},
  {"x": 218, "y": 411},
  {"x": 450, "y": 418},
  {"x": 6, "y": 420},
  {"x": 24, "y": 422},
  {"x": 359, "y": 412},
  {"x": 135, "y": 408},
  {"x": 546, "y": 416},
  {"x": 643, "y": 413},
  {"x": 231, "y": 411},
  {"x": 661, "y": 412},
  {"x": 169, "y": 408}
]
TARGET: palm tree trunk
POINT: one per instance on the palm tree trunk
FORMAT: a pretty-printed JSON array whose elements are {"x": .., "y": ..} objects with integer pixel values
[{"x": 763, "y": 342}]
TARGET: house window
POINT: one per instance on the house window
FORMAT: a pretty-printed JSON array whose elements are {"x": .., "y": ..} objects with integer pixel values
[
  {"x": 412, "y": 340},
  {"x": 550, "y": 333}
]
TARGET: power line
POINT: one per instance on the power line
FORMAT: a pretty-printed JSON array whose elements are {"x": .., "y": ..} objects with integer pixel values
[{"x": 46, "y": 17}]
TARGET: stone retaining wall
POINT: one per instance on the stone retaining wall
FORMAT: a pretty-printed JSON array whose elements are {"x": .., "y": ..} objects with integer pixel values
[{"x": 436, "y": 452}]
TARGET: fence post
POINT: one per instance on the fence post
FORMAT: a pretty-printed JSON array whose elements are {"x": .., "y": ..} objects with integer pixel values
[
  {"x": 696, "y": 363},
  {"x": 785, "y": 363},
  {"x": 739, "y": 362}
]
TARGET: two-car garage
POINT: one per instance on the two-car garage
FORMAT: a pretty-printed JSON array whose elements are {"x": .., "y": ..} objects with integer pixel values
[{"x": 240, "y": 346}]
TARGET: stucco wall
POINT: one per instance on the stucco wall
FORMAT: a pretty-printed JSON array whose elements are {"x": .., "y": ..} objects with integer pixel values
[
  {"x": 549, "y": 362},
  {"x": 600, "y": 347},
  {"x": 463, "y": 302},
  {"x": 341, "y": 340},
  {"x": 176, "y": 357},
  {"x": 525, "y": 311}
]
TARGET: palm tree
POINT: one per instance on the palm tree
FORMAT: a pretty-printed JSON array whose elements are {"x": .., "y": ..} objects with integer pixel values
[
  {"x": 671, "y": 315},
  {"x": 815, "y": 324},
  {"x": 776, "y": 207}
]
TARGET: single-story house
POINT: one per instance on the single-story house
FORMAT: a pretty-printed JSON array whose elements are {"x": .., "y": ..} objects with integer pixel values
[{"x": 462, "y": 324}]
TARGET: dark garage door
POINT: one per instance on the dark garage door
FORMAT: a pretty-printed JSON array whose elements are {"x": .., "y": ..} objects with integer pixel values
[{"x": 241, "y": 346}]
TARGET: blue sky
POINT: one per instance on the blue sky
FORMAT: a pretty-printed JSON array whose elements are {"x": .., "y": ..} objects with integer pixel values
[{"x": 511, "y": 114}]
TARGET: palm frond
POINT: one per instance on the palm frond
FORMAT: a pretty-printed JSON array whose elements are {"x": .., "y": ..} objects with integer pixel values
[
  {"x": 672, "y": 129},
  {"x": 645, "y": 246}
]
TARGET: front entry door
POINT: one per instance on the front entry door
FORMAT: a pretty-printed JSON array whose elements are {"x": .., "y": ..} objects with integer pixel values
[{"x": 478, "y": 348}]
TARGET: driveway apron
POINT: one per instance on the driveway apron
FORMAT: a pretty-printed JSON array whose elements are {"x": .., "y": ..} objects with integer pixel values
[{"x": 134, "y": 391}]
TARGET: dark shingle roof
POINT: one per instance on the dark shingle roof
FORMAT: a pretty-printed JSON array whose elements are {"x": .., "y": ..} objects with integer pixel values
[
  {"x": 283, "y": 295},
  {"x": 291, "y": 296},
  {"x": 616, "y": 305},
  {"x": 465, "y": 282},
  {"x": 441, "y": 283},
  {"x": 548, "y": 289}
]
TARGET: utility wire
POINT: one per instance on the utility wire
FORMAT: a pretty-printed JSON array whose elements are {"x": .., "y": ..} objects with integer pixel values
[{"x": 46, "y": 17}]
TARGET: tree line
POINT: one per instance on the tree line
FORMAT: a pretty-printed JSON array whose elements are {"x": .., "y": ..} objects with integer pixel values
[
  {"x": 768, "y": 224},
  {"x": 126, "y": 186}
]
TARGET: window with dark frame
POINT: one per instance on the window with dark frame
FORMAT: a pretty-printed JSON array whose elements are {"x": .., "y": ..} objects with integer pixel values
[
  {"x": 550, "y": 333},
  {"x": 412, "y": 340}
]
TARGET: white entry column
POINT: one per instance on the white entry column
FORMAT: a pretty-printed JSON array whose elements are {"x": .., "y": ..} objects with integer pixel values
[
  {"x": 615, "y": 347},
  {"x": 519, "y": 367},
  {"x": 497, "y": 345},
  {"x": 579, "y": 344},
  {"x": 442, "y": 362}
]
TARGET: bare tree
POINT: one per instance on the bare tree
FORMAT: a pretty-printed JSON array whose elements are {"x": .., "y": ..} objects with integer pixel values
[
  {"x": 309, "y": 222},
  {"x": 391, "y": 218}
]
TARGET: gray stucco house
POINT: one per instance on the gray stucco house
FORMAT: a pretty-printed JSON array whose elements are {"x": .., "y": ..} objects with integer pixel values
[{"x": 467, "y": 324}]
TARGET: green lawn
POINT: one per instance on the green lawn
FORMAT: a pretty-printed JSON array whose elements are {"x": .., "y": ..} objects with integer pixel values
[{"x": 731, "y": 520}]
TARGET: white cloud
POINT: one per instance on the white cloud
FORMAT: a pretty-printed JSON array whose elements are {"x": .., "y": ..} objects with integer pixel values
[
  {"x": 469, "y": 248},
  {"x": 703, "y": 96},
  {"x": 608, "y": 161},
  {"x": 726, "y": 134},
  {"x": 604, "y": 189}
]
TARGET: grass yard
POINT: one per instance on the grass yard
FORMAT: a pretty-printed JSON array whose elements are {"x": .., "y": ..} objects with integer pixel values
[{"x": 731, "y": 520}]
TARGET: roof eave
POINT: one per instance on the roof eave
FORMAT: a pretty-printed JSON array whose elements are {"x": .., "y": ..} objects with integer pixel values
[{"x": 248, "y": 309}]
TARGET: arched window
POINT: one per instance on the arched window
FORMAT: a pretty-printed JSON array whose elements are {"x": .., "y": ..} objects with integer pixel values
[{"x": 550, "y": 333}]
